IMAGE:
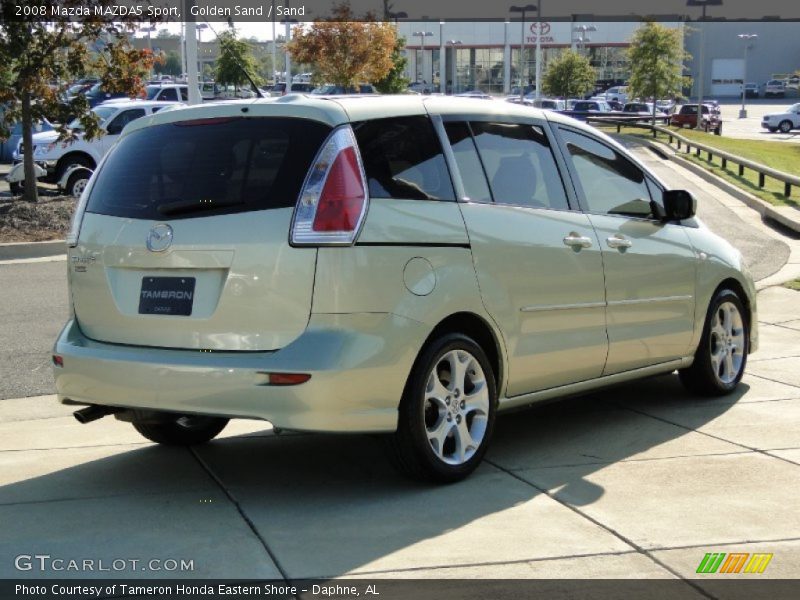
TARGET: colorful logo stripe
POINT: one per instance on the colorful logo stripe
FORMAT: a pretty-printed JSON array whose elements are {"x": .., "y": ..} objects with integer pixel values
[{"x": 736, "y": 562}]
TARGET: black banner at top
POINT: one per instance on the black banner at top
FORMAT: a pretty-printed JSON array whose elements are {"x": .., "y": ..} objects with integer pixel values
[{"x": 401, "y": 10}]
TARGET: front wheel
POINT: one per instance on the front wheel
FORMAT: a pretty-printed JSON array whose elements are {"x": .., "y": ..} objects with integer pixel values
[
  {"x": 785, "y": 126},
  {"x": 184, "y": 430},
  {"x": 722, "y": 354},
  {"x": 77, "y": 183},
  {"x": 447, "y": 412}
]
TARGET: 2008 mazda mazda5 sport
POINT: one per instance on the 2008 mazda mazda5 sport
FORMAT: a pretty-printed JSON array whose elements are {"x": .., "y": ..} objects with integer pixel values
[{"x": 384, "y": 264}]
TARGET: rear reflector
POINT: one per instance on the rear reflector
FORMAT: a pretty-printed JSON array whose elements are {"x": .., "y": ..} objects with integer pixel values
[
  {"x": 288, "y": 378},
  {"x": 58, "y": 360},
  {"x": 334, "y": 197}
]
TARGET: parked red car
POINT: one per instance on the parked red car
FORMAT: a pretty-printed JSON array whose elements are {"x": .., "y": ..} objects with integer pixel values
[{"x": 687, "y": 117}]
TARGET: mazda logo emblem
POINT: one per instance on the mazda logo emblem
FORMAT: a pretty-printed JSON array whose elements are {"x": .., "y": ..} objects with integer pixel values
[{"x": 159, "y": 238}]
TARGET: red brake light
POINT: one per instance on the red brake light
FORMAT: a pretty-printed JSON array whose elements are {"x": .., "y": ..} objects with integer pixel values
[
  {"x": 334, "y": 198},
  {"x": 342, "y": 198},
  {"x": 288, "y": 378}
]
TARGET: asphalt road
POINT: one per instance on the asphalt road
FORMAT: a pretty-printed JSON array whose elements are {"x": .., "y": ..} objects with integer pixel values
[{"x": 33, "y": 296}]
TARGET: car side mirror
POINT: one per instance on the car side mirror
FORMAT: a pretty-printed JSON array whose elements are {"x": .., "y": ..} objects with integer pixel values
[{"x": 679, "y": 205}]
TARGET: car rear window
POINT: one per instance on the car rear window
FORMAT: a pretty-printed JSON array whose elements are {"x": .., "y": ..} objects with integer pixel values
[
  {"x": 403, "y": 159},
  {"x": 207, "y": 167}
]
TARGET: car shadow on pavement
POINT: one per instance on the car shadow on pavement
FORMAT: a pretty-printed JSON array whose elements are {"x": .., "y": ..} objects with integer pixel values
[{"x": 329, "y": 505}]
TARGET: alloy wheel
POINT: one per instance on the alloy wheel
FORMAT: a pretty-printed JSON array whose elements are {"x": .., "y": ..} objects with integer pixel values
[
  {"x": 456, "y": 407},
  {"x": 727, "y": 342}
]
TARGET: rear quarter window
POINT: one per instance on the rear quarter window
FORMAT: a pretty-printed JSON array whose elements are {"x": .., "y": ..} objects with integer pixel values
[
  {"x": 207, "y": 167},
  {"x": 403, "y": 159}
]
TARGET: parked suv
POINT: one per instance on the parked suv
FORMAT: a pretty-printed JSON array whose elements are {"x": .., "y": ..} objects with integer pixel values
[
  {"x": 687, "y": 117},
  {"x": 407, "y": 267},
  {"x": 774, "y": 87}
]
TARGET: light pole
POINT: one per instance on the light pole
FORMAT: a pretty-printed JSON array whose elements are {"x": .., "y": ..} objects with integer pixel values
[
  {"x": 422, "y": 35},
  {"x": 149, "y": 30},
  {"x": 703, "y": 4},
  {"x": 453, "y": 44},
  {"x": 523, "y": 10},
  {"x": 746, "y": 37},
  {"x": 274, "y": 47},
  {"x": 582, "y": 37}
]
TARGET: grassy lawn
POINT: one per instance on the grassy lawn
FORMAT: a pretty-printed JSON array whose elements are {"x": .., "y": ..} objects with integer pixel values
[
  {"x": 793, "y": 285},
  {"x": 778, "y": 155}
]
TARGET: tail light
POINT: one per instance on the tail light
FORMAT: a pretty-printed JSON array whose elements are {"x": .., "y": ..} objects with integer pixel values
[{"x": 334, "y": 197}]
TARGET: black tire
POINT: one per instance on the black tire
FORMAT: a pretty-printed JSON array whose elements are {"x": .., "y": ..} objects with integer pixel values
[
  {"x": 75, "y": 180},
  {"x": 702, "y": 377},
  {"x": 409, "y": 447},
  {"x": 772, "y": 129},
  {"x": 785, "y": 126},
  {"x": 185, "y": 430},
  {"x": 15, "y": 188},
  {"x": 718, "y": 129}
]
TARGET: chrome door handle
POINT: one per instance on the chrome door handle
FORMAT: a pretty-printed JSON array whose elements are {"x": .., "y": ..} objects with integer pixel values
[
  {"x": 616, "y": 241},
  {"x": 577, "y": 241}
]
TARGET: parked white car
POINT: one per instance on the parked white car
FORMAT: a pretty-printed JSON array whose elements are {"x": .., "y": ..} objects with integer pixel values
[
  {"x": 784, "y": 122},
  {"x": 617, "y": 93},
  {"x": 58, "y": 159}
]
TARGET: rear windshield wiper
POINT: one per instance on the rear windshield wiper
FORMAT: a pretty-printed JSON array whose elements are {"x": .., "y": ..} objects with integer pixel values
[{"x": 186, "y": 206}]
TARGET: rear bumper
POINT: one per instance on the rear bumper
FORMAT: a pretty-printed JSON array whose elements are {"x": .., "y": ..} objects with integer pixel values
[{"x": 358, "y": 363}]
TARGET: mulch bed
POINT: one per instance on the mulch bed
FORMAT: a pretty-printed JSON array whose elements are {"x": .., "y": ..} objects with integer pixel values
[{"x": 48, "y": 219}]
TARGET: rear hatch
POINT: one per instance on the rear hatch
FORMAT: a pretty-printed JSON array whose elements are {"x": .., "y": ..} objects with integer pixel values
[{"x": 184, "y": 242}]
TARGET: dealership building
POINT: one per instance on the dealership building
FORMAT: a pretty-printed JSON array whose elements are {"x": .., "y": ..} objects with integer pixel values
[{"x": 487, "y": 56}]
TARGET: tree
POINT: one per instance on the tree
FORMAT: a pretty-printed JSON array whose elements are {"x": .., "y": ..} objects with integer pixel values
[
  {"x": 395, "y": 81},
  {"x": 39, "y": 59},
  {"x": 344, "y": 50},
  {"x": 656, "y": 54},
  {"x": 570, "y": 75},
  {"x": 235, "y": 58},
  {"x": 172, "y": 64}
]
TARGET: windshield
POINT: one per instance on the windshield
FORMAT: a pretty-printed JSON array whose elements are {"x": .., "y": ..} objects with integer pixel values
[
  {"x": 794, "y": 108},
  {"x": 152, "y": 90},
  {"x": 103, "y": 113}
]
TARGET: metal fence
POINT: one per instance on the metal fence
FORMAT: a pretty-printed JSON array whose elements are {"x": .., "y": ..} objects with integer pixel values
[{"x": 689, "y": 146}]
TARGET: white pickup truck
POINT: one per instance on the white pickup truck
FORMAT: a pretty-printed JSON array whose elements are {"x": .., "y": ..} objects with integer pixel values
[{"x": 70, "y": 164}]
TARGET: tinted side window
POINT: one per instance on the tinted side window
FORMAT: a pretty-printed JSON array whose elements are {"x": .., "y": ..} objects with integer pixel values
[
  {"x": 199, "y": 168},
  {"x": 122, "y": 119},
  {"x": 519, "y": 165},
  {"x": 184, "y": 94},
  {"x": 611, "y": 184},
  {"x": 168, "y": 94},
  {"x": 468, "y": 162},
  {"x": 403, "y": 159}
]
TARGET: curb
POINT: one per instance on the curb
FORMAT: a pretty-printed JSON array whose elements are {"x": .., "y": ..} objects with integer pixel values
[
  {"x": 785, "y": 215},
  {"x": 17, "y": 250}
]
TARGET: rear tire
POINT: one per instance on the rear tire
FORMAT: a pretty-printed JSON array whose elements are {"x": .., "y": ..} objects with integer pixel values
[
  {"x": 722, "y": 354},
  {"x": 445, "y": 421},
  {"x": 185, "y": 430},
  {"x": 15, "y": 188}
]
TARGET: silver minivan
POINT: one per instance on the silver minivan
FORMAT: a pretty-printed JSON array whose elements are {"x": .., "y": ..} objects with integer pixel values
[{"x": 402, "y": 265}]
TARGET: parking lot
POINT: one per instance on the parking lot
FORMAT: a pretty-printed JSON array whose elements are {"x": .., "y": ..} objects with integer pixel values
[
  {"x": 750, "y": 128},
  {"x": 639, "y": 481}
]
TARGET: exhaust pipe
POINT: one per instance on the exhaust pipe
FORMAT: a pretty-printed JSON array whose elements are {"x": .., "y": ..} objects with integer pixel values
[{"x": 92, "y": 413}]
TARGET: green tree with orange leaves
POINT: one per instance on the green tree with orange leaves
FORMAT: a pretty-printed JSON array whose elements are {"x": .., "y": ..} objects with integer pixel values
[
  {"x": 343, "y": 50},
  {"x": 40, "y": 57}
]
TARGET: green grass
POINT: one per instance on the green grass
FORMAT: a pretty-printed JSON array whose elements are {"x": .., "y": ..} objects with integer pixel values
[
  {"x": 777, "y": 155},
  {"x": 793, "y": 285}
]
